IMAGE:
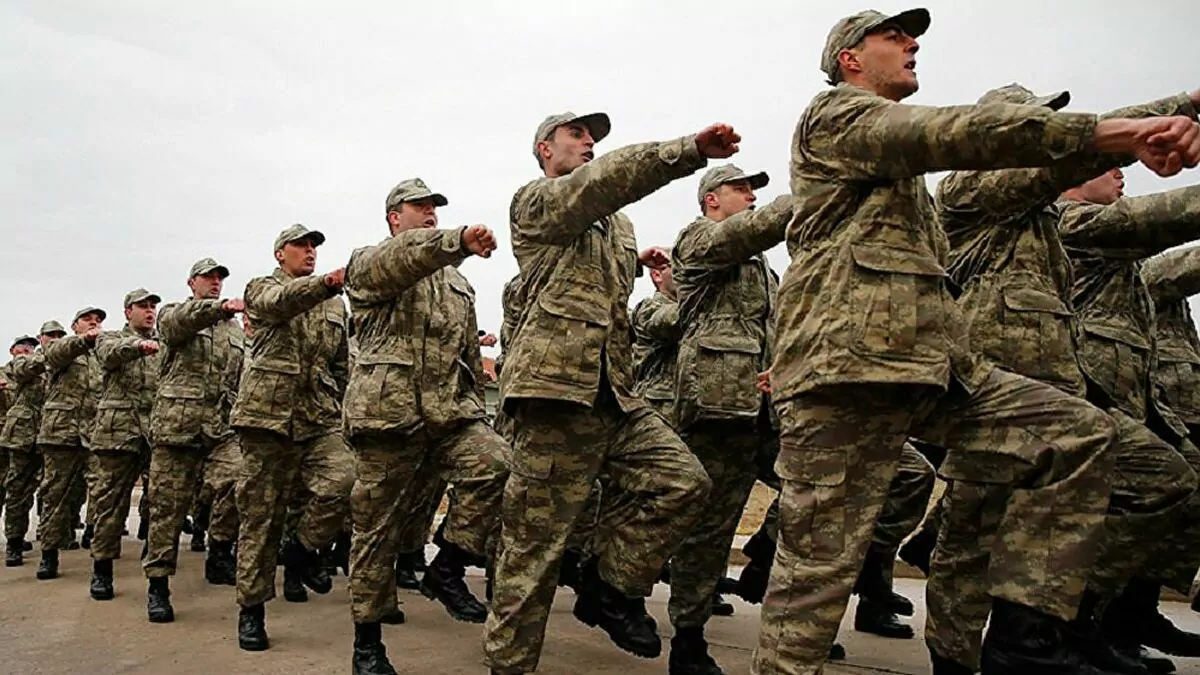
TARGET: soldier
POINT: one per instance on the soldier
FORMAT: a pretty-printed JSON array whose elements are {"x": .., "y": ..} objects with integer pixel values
[
  {"x": 121, "y": 432},
  {"x": 201, "y": 367},
  {"x": 21, "y": 346},
  {"x": 870, "y": 350},
  {"x": 1008, "y": 256},
  {"x": 288, "y": 420},
  {"x": 26, "y": 378},
  {"x": 567, "y": 385},
  {"x": 415, "y": 407},
  {"x": 656, "y": 330},
  {"x": 65, "y": 429}
]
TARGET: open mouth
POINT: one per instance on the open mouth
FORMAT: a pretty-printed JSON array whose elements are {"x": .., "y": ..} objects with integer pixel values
[
  {"x": 430, "y": 222},
  {"x": 589, "y": 156},
  {"x": 911, "y": 65}
]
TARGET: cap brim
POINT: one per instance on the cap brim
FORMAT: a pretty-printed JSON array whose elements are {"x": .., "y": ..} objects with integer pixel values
[
  {"x": 219, "y": 269},
  {"x": 758, "y": 180},
  {"x": 1056, "y": 101},
  {"x": 25, "y": 341},
  {"x": 316, "y": 237},
  {"x": 56, "y": 332},
  {"x": 914, "y": 22},
  {"x": 598, "y": 124}
]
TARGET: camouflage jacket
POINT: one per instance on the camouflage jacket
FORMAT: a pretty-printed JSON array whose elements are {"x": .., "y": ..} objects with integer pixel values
[
  {"x": 73, "y": 384},
  {"x": 6, "y": 392},
  {"x": 299, "y": 358},
  {"x": 656, "y": 330},
  {"x": 419, "y": 363},
  {"x": 578, "y": 260},
  {"x": 512, "y": 303},
  {"x": 1118, "y": 352},
  {"x": 865, "y": 298},
  {"x": 1173, "y": 277},
  {"x": 27, "y": 385},
  {"x": 727, "y": 309},
  {"x": 127, "y": 395},
  {"x": 1010, "y": 263},
  {"x": 201, "y": 365}
]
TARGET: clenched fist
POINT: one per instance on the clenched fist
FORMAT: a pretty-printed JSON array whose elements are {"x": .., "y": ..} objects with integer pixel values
[
  {"x": 718, "y": 141},
  {"x": 233, "y": 306},
  {"x": 148, "y": 347},
  {"x": 336, "y": 278},
  {"x": 479, "y": 240},
  {"x": 91, "y": 335},
  {"x": 655, "y": 258}
]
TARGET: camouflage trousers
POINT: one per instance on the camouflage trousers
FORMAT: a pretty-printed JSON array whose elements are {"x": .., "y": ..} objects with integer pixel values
[
  {"x": 839, "y": 449},
  {"x": 80, "y": 488},
  {"x": 1151, "y": 485},
  {"x": 272, "y": 466},
  {"x": 20, "y": 484},
  {"x": 655, "y": 489},
  {"x": 116, "y": 473},
  {"x": 420, "y": 511},
  {"x": 394, "y": 471},
  {"x": 218, "y": 489},
  {"x": 62, "y": 465},
  {"x": 727, "y": 451}
]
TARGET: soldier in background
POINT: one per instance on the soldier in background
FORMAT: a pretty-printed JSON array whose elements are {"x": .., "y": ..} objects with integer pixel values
[
  {"x": 288, "y": 420},
  {"x": 656, "y": 330},
  {"x": 201, "y": 367},
  {"x": 17, "y": 439},
  {"x": 120, "y": 437}
]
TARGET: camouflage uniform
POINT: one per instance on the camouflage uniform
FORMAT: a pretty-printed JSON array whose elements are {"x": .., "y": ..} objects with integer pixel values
[
  {"x": 26, "y": 378},
  {"x": 288, "y": 420},
  {"x": 121, "y": 433},
  {"x": 1172, "y": 278},
  {"x": 414, "y": 407},
  {"x": 1119, "y": 357},
  {"x": 201, "y": 367},
  {"x": 1008, "y": 257},
  {"x": 567, "y": 384},
  {"x": 871, "y": 349},
  {"x": 655, "y": 324}
]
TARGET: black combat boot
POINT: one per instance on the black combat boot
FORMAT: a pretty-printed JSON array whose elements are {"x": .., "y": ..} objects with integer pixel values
[
  {"x": 406, "y": 576},
  {"x": 944, "y": 666},
  {"x": 198, "y": 545},
  {"x": 89, "y": 533},
  {"x": 918, "y": 550},
  {"x": 727, "y": 586},
  {"x": 1157, "y": 665},
  {"x": 143, "y": 530},
  {"x": 689, "y": 654},
  {"x": 752, "y": 584},
  {"x": 27, "y": 546},
  {"x": 873, "y": 584},
  {"x": 1089, "y": 640},
  {"x": 420, "y": 564},
  {"x": 220, "y": 567},
  {"x": 158, "y": 601},
  {"x": 252, "y": 629},
  {"x": 48, "y": 568},
  {"x": 393, "y": 618},
  {"x": 293, "y": 589},
  {"x": 625, "y": 619},
  {"x": 370, "y": 657},
  {"x": 1148, "y": 627},
  {"x": 307, "y": 566},
  {"x": 1023, "y": 640},
  {"x": 720, "y": 606},
  {"x": 837, "y": 652},
  {"x": 14, "y": 553},
  {"x": 878, "y": 618},
  {"x": 568, "y": 572},
  {"x": 444, "y": 581},
  {"x": 102, "y": 580},
  {"x": 341, "y": 552}
]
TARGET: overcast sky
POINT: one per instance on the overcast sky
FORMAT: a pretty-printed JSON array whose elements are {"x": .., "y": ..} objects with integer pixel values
[{"x": 141, "y": 136}]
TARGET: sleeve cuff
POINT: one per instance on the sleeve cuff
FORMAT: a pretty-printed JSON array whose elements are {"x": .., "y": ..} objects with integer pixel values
[{"x": 1069, "y": 133}]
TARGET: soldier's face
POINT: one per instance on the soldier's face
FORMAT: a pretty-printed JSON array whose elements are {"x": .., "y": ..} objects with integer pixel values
[
  {"x": 570, "y": 147},
  {"x": 85, "y": 323},
  {"x": 414, "y": 216},
  {"x": 663, "y": 280},
  {"x": 888, "y": 63},
  {"x": 140, "y": 315},
  {"x": 1104, "y": 189},
  {"x": 44, "y": 340},
  {"x": 733, "y": 198},
  {"x": 21, "y": 349},
  {"x": 206, "y": 285},
  {"x": 298, "y": 258}
]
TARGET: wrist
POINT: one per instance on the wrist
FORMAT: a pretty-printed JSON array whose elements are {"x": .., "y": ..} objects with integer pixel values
[{"x": 1114, "y": 136}]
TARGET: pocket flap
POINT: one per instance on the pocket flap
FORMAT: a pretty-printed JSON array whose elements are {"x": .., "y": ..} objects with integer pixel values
[
  {"x": 1029, "y": 299},
  {"x": 1170, "y": 354},
  {"x": 180, "y": 391},
  {"x": 576, "y": 301},
  {"x": 896, "y": 260},
  {"x": 388, "y": 358},
  {"x": 815, "y": 466},
  {"x": 59, "y": 405},
  {"x": 109, "y": 404},
  {"x": 276, "y": 366},
  {"x": 729, "y": 343},
  {"x": 1122, "y": 334}
]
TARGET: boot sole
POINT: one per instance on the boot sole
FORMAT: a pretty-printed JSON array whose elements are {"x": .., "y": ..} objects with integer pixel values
[
  {"x": 587, "y": 619},
  {"x": 170, "y": 618},
  {"x": 46, "y": 577},
  {"x": 103, "y": 597},
  {"x": 457, "y": 616},
  {"x": 13, "y": 563},
  {"x": 253, "y": 647}
]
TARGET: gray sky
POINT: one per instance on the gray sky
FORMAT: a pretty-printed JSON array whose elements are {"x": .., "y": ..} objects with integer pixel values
[{"x": 140, "y": 136}]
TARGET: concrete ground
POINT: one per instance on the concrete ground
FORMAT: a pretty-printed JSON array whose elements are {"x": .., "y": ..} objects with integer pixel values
[{"x": 54, "y": 628}]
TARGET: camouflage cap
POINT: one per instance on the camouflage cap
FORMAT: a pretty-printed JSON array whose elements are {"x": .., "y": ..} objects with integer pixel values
[
  {"x": 140, "y": 295},
  {"x": 90, "y": 310},
  {"x": 728, "y": 173},
  {"x": 296, "y": 233},
  {"x": 597, "y": 124},
  {"x": 24, "y": 339},
  {"x": 1015, "y": 93},
  {"x": 852, "y": 29},
  {"x": 411, "y": 190},
  {"x": 52, "y": 326},
  {"x": 207, "y": 265}
]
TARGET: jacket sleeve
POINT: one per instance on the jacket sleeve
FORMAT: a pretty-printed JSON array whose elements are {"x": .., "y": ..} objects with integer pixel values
[
  {"x": 1173, "y": 276},
  {"x": 271, "y": 303},
  {"x": 114, "y": 350},
  {"x": 383, "y": 272},
  {"x": 26, "y": 369},
  {"x": 1134, "y": 227},
  {"x": 63, "y": 351},
  {"x": 657, "y": 320},
  {"x": 712, "y": 245},
  {"x": 179, "y": 323}
]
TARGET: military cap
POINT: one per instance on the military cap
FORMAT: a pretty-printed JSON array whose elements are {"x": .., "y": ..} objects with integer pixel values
[
  {"x": 597, "y": 124},
  {"x": 296, "y": 233},
  {"x": 25, "y": 339},
  {"x": 90, "y": 310},
  {"x": 412, "y": 190},
  {"x": 728, "y": 173},
  {"x": 852, "y": 29},
  {"x": 52, "y": 326},
  {"x": 1015, "y": 93},
  {"x": 140, "y": 295},
  {"x": 207, "y": 265}
]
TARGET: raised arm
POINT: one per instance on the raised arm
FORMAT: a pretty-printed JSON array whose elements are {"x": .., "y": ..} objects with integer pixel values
[
  {"x": 60, "y": 353},
  {"x": 114, "y": 350},
  {"x": 656, "y": 320},
  {"x": 271, "y": 303},
  {"x": 711, "y": 245},
  {"x": 179, "y": 323},
  {"x": 1134, "y": 227},
  {"x": 383, "y": 272},
  {"x": 1173, "y": 276},
  {"x": 27, "y": 368}
]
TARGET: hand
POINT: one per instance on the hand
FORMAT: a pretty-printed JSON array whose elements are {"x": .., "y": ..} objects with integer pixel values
[
  {"x": 717, "y": 141},
  {"x": 479, "y": 240},
  {"x": 1166, "y": 145},
  {"x": 655, "y": 258},
  {"x": 764, "y": 382},
  {"x": 1195, "y": 96},
  {"x": 487, "y": 340},
  {"x": 233, "y": 306},
  {"x": 148, "y": 347},
  {"x": 336, "y": 279},
  {"x": 91, "y": 335}
]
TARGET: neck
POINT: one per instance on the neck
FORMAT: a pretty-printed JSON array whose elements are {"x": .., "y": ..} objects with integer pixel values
[
  {"x": 715, "y": 215},
  {"x": 1072, "y": 195}
]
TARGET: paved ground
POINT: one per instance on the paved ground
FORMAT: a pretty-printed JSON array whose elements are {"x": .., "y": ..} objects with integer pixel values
[{"x": 54, "y": 628}]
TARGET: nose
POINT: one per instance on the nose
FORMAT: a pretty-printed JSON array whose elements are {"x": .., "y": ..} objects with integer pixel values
[{"x": 913, "y": 46}]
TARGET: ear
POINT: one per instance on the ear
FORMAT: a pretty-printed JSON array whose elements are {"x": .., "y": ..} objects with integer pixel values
[
  {"x": 711, "y": 201},
  {"x": 544, "y": 151},
  {"x": 279, "y": 256},
  {"x": 849, "y": 62}
]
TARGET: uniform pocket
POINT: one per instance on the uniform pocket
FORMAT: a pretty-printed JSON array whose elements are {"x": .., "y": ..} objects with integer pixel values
[
  {"x": 896, "y": 297},
  {"x": 813, "y": 500},
  {"x": 727, "y": 369}
]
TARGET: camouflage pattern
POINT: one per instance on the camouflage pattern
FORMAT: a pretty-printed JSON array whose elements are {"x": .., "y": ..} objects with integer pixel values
[
  {"x": 62, "y": 465},
  {"x": 110, "y": 495},
  {"x": 20, "y": 484},
  {"x": 907, "y": 500},
  {"x": 867, "y": 327},
  {"x": 27, "y": 388},
  {"x": 72, "y": 389},
  {"x": 851, "y": 30},
  {"x": 412, "y": 190},
  {"x": 571, "y": 363},
  {"x": 598, "y": 124},
  {"x": 219, "y": 489},
  {"x": 175, "y": 471},
  {"x": 655, "y": 324},
  {"x": 416, "y": 523},
  {"x": 415, "y": 406},
  {"x": 725, "y": 174},
  {"x": 1171, "y": 279}
]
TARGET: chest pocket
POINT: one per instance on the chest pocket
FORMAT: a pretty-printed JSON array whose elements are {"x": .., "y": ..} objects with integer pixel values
[
  {"x": 727, "y": 369},
  {"x": 1035, "y": 336},
  {"x": 1118, "y": 358},
  {"x": 897, "y": 302}
]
